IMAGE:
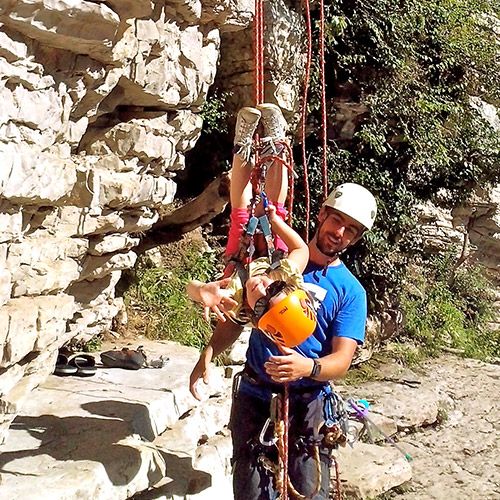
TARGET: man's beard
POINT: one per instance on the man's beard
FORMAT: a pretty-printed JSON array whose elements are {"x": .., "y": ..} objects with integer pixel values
[
  {"x": 326, "y": 249},
  {"x": 324, "y": 246}
]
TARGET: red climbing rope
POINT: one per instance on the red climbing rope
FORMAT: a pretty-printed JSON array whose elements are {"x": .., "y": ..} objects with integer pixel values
[
  {"x": 283, "y": 480},
  {"x": 304, "y": 115},
  {"x": 338, "y": 487},
  {"x": 308, "y": 64},
  {"x": 286, "y": 409},
  {"x": 323, "y": 95},
  {"x": 259, "y": 52}
]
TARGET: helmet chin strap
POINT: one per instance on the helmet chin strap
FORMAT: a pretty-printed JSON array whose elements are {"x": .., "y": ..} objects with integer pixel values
[{"x": 331, "y": 258}]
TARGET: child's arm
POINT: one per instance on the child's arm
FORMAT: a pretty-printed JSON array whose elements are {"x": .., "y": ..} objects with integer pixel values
[
  {"x": 212, "y": 296},
  {"x": 298, "y": 250}
]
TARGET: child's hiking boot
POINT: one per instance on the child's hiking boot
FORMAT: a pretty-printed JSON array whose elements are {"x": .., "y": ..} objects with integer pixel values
[
  {"x": 273, "y": 121},
  {"x": 246, "y": 124},
  {"x": 275, "y": 126}
]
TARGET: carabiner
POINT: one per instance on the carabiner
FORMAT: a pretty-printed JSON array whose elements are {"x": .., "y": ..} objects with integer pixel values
[{"x": 262, "y": 435}]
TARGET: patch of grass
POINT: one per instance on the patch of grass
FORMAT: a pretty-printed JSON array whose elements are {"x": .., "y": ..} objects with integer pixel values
[
  {"x": 365, "y": 372},
  {"x": 446, "y": 307},
  {"x": 442, "y": 415},
  {"x": 93, "y": 345},
  {"x": 407, "y": 353},
  {"x": 156, "y": 300}
]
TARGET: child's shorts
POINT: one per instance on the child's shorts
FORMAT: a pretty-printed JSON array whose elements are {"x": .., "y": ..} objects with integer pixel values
[{"x": 239, "y": 219}]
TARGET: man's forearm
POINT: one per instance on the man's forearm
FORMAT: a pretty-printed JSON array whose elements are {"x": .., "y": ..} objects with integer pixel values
[
  {"x": 224, "y": 335},
  {"x": 336, "y": 364}
]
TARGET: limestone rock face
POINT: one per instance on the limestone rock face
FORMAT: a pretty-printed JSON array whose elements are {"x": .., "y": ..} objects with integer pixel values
[
  {"x": 284, "y": 60},
  {"x": 101, "y": 101}
]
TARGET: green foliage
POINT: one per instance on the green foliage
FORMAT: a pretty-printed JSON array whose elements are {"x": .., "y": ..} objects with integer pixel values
[
  {"x": 214, "y": 115},
  {"x": 418, "y": 71},
  {"x": 158, "y": 306},
  {"x": 442, "y": 415},
  {"x": 407, "y": 353},
  {"x": 361, "y": 374},
  {"x": 448, "y": 307},
  {"x": 93, "y": 345}
]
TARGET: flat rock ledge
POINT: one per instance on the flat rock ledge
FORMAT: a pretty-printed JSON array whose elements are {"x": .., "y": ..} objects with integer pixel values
[{"x": 140, "y": 435}]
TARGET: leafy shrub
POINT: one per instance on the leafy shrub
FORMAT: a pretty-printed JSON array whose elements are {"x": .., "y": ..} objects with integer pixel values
[
  {"x": 213, "y": 113},
  {"x": 418, "y": 69}
]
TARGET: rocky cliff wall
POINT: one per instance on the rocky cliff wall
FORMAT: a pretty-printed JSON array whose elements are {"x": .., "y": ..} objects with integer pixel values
[
  {"x": 475, "y": 223},
  {"x": 100, "y": 101}
]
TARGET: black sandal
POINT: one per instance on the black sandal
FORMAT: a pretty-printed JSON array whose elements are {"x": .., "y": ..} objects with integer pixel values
[
  {"x": 63, "y": 368},
  {"x": 84, "y": 364}
]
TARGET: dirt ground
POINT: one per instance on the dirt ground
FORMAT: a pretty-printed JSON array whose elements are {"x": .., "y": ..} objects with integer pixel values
[{"x": 460, "y": 458}]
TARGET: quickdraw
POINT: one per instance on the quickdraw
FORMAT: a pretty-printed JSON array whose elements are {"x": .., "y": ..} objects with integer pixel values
[{"x": 359, "y": 411}]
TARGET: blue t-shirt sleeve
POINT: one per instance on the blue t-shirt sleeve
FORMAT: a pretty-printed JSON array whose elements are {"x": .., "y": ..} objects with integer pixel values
[{"x": 350, "y": 320}]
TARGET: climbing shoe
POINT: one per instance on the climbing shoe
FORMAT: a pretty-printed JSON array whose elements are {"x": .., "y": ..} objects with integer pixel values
[
  {"x": 246, "y": 124},
  {"x": 126, "y": 358},
  {"x": 273, "y": 121}
]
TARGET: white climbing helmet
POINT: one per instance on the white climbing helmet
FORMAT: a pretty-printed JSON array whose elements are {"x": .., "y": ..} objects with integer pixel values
[{"x": 355, "y": 201}]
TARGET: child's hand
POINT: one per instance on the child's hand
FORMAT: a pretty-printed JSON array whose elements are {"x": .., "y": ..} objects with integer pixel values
[
  {"x": 271, "y": 212},
  {"x": 215, "y": 298}
]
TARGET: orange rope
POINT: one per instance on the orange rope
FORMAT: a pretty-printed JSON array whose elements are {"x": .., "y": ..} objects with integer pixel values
[
  {"x": 259, "y": 51},
  {"x": 259, "y": 98},
  {"x": 286, "y": 410},
  {"x": 338, "y": 487}
]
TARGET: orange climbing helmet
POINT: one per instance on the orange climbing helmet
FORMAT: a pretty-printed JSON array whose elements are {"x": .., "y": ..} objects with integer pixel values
[{"x": 290, "y": 321}]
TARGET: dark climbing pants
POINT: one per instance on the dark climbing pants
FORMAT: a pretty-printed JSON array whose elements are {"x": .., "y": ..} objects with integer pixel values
[{"x": 251, "y": 480}]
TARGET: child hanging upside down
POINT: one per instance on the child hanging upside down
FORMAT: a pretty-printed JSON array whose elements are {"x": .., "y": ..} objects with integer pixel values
[{"x": 268, "y": 294}]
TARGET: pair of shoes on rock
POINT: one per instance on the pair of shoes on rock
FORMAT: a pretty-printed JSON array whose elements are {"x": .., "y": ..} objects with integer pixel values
[
  {"x": 81, "y": 365},
  {"x": 126, "y": 358},
  {"x": 273, "y": 122}
]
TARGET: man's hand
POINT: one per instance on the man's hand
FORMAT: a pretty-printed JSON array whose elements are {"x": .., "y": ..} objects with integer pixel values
[
  {"x": 200, "y": 371},
  {"x": 216, "y": 299},
  {"x": 289, "y": 367}
]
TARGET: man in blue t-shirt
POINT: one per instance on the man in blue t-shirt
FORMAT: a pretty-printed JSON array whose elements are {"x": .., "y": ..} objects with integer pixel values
[{"x": 326, "y": 355}]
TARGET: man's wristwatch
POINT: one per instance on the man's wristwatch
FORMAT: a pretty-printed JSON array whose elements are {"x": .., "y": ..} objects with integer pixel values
[{"x": 316, "y": 369}]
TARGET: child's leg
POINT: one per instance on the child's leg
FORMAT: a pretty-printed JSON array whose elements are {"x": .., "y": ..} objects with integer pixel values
[
  {"x": 241, "y": 188},
  {"x": 240, "y": 194},
  {"x": 274, "y": 126},
  {"x": 276, "y": 185}
]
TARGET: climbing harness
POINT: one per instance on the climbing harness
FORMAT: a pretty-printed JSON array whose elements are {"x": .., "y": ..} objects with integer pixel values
[
  {"x": 279, "y": 413},
  {"x": 333, "y": 432}
]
